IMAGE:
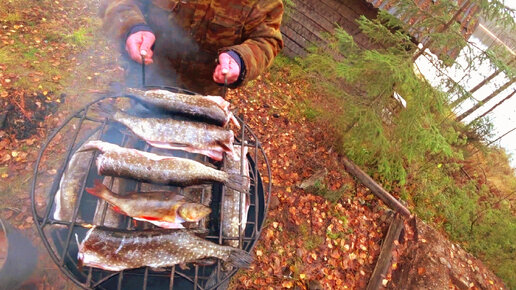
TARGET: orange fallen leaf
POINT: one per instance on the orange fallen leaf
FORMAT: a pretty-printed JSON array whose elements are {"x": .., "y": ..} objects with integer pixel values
[{"x": 287, "y": 284}]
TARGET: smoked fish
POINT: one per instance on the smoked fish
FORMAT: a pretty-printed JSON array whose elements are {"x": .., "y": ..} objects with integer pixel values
[
  {"x": 71, "y": 182},
  {"x": 168, "y": 133},
  {"x": 148, "y": 167},
  {"x": 236, "y": 204},
  {"x": 116, "y": 250},
  {"x": 211, "y": 108}
]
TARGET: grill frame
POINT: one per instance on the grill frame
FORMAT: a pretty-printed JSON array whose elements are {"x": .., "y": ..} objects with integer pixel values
[{"x": 198, "y": 276}]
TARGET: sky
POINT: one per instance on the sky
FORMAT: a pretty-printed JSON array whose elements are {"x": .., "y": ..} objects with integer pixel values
[{"x": 503, "y": 117}]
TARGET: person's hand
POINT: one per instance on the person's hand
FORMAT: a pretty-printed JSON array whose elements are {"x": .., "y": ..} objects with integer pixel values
[
  {"x": 140, "y": 43},
  {"x": 227, "y": 67}
]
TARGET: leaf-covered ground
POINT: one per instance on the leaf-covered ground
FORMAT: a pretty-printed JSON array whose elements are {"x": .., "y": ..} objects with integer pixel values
[{"x": 52, "y": 62}]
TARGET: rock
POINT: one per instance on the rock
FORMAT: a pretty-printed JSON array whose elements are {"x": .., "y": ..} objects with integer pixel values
[
  {"x": 317, "y": 177},
  {"x": 314, "y": 285},
  {"x": 445, "y": 262},
  {"x": 3, "y": 116},
  {"x": 274, "y": 202}
]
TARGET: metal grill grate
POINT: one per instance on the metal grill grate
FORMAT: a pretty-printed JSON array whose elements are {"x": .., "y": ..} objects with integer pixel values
[{"x": 59, "y": 237}]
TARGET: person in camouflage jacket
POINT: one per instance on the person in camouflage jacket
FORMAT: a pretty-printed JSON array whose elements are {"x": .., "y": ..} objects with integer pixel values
[{"x": 197, "y": 43}]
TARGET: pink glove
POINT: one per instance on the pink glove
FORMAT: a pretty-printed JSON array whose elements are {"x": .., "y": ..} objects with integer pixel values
[
  {"x": 140, "y": 43},
  {"x": 227, "y": 66}
]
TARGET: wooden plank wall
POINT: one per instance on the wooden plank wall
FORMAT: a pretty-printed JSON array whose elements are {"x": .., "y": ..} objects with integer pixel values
[{"x": 309, "y": 20}]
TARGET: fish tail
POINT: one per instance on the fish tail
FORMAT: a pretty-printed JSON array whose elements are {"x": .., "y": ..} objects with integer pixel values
[
  {"x": 240, "y": 258},
  {"x": 237, "y": 182},
  {"x": 98, "y": 190},
  {"x": 226, "y": 146}
]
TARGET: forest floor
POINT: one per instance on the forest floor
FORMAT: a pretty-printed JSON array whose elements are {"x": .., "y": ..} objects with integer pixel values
[{"x": 52, "y": 62}]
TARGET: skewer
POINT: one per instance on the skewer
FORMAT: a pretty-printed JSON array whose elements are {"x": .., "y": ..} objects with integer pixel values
[
  {"x": 143, "y": 53},
  {"x": 225, "y": 73}
]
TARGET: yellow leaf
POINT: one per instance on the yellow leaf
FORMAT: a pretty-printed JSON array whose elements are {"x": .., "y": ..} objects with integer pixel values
[
  {"x": 5, "y": 175},
  {"x": 302, "y": 276}
]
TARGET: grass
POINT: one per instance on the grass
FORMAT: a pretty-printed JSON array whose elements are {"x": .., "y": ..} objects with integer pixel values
[
  {"x": 81, "y": 37},
  {"x": 322, "y": 189},
  {"x": 12, "y": 17},
  {"x": 310, "y": 241}
]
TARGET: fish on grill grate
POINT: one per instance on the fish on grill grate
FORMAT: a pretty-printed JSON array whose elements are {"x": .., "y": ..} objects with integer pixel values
[
  {"x": 104, "y": 214},
  {"x": 71, "y": 182},
  {"x": 167, "y": 133},
  {"x": 148, "y": 167},
  {"x": 236, "y": 204},
  {"x": 164, "y": 209},
  {"x": 212, "y": 108},
  {"x": 116, "y": 250}
]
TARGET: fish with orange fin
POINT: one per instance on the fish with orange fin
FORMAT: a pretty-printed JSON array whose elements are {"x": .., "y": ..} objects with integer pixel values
[{"x": 164, "y": 209}]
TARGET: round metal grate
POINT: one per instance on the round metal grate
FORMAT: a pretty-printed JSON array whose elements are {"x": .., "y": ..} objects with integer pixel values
[{"x": 60, "y": 237}]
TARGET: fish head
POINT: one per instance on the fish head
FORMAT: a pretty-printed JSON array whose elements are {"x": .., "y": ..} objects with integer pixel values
[{"x": 193, "y": 212}]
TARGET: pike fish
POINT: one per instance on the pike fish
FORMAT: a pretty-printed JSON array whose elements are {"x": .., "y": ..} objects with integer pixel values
[
  {"x": 236, "y": 204},
  {"x": 211, "y": 108},
  {"x": 164, "y": 209},
  {"x": 71, "y": 181},
  {"x": 116, "y": 250},
  {"x": 148, "y": 167},
  {"x": 167, "y": 133}
]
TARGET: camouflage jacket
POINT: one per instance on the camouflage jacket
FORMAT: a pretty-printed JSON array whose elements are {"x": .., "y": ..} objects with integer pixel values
[{"x": 191, "y": 33}]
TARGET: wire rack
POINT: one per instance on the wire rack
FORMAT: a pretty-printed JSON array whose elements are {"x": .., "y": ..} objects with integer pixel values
[{"x": 60, "y": 237}]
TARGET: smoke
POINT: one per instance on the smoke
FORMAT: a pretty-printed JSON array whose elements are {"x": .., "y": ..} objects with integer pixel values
[{"x": 21, "y": 259}]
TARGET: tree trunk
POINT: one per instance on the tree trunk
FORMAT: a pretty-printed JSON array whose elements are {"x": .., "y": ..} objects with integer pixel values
[
  {"x": 482, "y": 83},
  {"x": 482, "y": 102},
  {"x": 444, "y": 28},
  {"x": 478, "y": 86},
  {"x": 492, "y": 108},
  {"x": 503, "y": 135}
]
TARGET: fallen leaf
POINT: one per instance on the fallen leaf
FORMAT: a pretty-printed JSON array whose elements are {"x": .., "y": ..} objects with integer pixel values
[
  {"x": 287, "y": 284},
  {"x": 421, "y": 271}
]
